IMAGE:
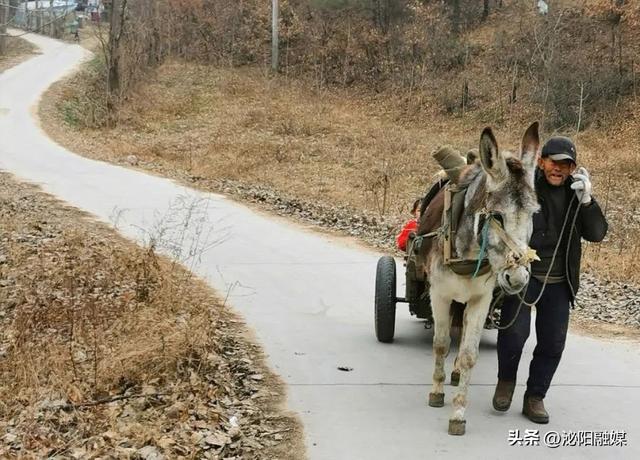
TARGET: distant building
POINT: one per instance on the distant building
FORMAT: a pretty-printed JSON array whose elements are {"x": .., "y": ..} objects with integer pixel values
[
  {"x": 33, "y": 5},
  {"x": 95, "y": 9}
]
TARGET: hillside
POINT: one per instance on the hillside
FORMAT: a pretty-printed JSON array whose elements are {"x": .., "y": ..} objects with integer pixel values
[{"x": 352, "y": 156}]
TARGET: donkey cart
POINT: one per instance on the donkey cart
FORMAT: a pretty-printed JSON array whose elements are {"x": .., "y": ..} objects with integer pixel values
[
  {"x": 472, "y": 238},
  {"x": 415, "y": 295},
  {"x": 417, "y": 286}
]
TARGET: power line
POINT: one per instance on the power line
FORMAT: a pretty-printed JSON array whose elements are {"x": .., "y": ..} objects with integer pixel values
[{"x": 9, "y": 5}]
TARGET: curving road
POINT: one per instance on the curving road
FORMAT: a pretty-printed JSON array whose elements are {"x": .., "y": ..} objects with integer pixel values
[{"x": 309, "y": 298}]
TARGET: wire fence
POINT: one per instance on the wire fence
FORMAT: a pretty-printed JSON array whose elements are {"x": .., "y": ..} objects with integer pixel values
[{"x": 48, "y": 18}]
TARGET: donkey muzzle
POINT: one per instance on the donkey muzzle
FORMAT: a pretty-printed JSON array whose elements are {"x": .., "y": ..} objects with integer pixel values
[{"x": 514, "y": 279}]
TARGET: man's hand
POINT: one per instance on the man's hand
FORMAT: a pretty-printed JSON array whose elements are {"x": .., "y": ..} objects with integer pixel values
[{"x": 582, "y": 185}]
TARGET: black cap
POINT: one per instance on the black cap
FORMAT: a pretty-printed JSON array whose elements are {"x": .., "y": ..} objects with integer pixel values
[{"x": 559, "y": 148}]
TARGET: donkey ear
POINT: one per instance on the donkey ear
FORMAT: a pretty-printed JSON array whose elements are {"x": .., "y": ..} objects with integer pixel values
[
  {"x": 530, "y": 145},
  {"x": 490, "y": 157}
]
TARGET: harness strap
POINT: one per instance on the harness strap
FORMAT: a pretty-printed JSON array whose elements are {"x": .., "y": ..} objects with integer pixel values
[
  {"x": 483, "y": 247},
  {"x": 520, "y": 258}
]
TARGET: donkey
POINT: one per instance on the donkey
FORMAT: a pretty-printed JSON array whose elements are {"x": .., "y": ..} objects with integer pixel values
[{"x": 500, "y": 192}]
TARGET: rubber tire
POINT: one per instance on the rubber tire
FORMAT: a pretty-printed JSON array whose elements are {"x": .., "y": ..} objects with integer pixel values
[{"x": 385, "y": 301}]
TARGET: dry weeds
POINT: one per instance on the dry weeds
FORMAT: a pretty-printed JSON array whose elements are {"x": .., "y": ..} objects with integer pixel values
[
  {"x": 18, "y": 50},
  {"x": 107, "y": 349},
  {"x": 368, "y": 153}
]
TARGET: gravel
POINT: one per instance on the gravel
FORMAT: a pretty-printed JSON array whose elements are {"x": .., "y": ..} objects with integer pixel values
[{"x": 608, "y": 301}]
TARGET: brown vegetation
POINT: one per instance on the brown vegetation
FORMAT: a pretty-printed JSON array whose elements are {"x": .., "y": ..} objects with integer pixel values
[
  {"x": 456, "y": 56},
  {"x": 17, "y": 50},
  {"x": 108, "y": 348},
  {"x": 359, "y": 105},
  {"x": 333, "y": 147}
]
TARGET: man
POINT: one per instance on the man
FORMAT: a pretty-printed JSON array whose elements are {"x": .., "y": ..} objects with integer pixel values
[{"x": 568, "y": 213}]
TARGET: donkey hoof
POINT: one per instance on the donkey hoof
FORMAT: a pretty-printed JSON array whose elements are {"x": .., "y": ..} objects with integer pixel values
[
  {"x": 436, "y": 399},
  {"x": 457, "y": 427},
  {"x": 455, "y": 378}
]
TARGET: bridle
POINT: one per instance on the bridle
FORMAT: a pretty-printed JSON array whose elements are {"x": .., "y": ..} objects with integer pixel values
[{"x": 516, "y": 257}]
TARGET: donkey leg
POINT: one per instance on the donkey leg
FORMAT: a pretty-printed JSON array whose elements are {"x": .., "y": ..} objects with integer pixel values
[
  {"x": 441, "y": 343},
  {"x": 474, "y": 318},
  {"x": 457, "y": 323},
  {"x": 455, "y": 373}
]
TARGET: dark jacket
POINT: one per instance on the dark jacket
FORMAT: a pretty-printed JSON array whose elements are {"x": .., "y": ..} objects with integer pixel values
[{"x": 590, "y": 224}]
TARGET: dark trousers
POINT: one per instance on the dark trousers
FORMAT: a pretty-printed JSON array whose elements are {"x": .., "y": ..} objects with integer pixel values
[{"x": 552, "y": 320}]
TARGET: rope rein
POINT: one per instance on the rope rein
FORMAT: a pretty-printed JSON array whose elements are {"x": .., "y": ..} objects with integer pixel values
[
  {"x": 546, "y": 277},
  {"x": 518, "y": 258}
]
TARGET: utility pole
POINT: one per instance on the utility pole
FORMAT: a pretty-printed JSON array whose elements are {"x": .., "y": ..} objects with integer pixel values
[
  {"x": 52, "y": 22},
  {"x": 38, "y": 17},
  {"x": 4, "y": 18},
  {"x": 274, "y": 35}
]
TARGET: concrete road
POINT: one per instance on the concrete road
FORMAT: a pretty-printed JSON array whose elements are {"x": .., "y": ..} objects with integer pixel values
[{"x": 309, "y": 298}]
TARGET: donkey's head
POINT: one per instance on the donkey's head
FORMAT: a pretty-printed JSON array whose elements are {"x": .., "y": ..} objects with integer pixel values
[{"x": 509, "y": 204}]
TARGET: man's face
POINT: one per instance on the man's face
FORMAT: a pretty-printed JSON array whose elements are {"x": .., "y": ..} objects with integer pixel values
[{"x": 556, "y": 172}]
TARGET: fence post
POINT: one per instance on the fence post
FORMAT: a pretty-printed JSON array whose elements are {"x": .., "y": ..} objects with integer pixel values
[{"x": 4, "y": 18}]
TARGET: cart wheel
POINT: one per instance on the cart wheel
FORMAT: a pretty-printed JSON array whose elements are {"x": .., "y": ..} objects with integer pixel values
[{"x": 385, "y": 306}]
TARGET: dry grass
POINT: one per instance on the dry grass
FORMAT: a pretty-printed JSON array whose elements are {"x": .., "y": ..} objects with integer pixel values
[
  {"x": 18, "y": 50},
  {"x": 339, "y": 147},
  {"x": 95, "y": 298},
  {"x": 87, "y": 317},
  {"x": 70, "y": 334}
]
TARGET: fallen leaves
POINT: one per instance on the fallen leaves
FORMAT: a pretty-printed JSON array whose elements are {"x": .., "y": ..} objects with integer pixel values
[{"x": 93, "y": 383}]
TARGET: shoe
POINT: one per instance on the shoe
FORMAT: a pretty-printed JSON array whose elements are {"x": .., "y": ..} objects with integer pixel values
[
  {"x": 503, "y": 395},
  {"x": 533, "y": 409}
]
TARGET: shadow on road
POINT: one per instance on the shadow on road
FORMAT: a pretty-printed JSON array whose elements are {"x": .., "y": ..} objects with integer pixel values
[{"x": 413, "y": 335}]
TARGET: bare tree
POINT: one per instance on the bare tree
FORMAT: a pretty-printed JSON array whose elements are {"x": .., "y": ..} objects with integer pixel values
[
  {"x": 582, "y": 99},
  {"x": 118, "y": 23},
  {"x": 456, "y": 18}
]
